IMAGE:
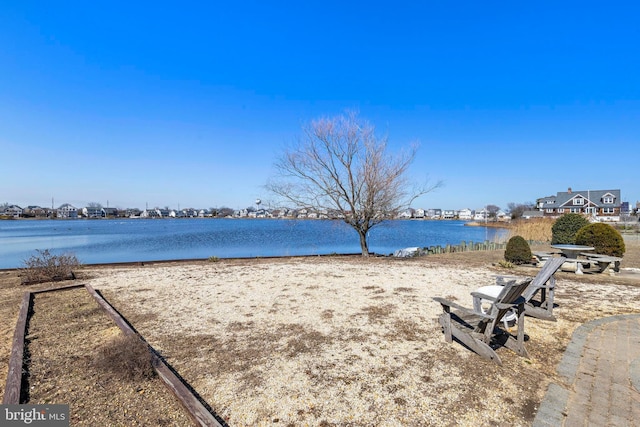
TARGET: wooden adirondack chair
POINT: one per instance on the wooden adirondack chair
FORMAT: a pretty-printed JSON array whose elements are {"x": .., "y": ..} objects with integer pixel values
[
  {"x": 543, "y": 286},
  {"x": 480, "y": 331}
]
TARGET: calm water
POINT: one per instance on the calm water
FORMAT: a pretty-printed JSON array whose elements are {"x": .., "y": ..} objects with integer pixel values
[{"x": 104, "y": 241}]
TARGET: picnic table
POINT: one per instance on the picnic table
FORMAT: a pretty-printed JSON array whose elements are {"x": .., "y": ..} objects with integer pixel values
[{"x": 572, "y": 252}]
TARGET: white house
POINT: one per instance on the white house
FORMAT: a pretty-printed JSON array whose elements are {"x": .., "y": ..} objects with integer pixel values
[
  {"x": 12, "y": 211},
  {"x": 465, "y": 214},
  {"x": 481, "y": 215},
  {"x": 93, "y": 212},
  {"x": 67, "y": 211}
]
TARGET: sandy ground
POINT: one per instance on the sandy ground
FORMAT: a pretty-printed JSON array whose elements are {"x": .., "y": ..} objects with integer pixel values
[
  {"x": 347, "y": 341},
  {"x": 344, "y": 340}
]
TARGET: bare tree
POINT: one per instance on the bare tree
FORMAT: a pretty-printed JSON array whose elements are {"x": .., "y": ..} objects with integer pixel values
[
  {"x": 493, "y": 210},
  {"x": 517, "y": 209},
  {"x": 340, "y": 166}
]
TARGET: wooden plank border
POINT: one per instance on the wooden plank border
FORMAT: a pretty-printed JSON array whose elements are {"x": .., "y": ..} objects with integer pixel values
[
  {"x": 60, "y": 288},
  {"x": 200, "y": 414},
  {"x": 16, "y": 360}
]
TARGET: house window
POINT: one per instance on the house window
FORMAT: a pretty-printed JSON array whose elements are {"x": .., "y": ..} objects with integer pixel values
[
  {"x": 578, "y": 201},
  {"x": 607, "y": 200},
  {"x": 561, "y": 210},
  {"x": 549, "y": 210},
  {"x": 575, "y": 210},
  {"x": 608, "y": 210}
]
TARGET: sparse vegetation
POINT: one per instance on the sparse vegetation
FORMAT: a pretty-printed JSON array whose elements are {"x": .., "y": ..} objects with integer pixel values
[
  {"x": 126, "y": 357},
  {"x": 505, "y": 264},
  {"x": 604, "y": 238},
  {"x": 213, "y": 259},
  {"x": 517, "y": 251},
  {"x": 565, "y": 228},
  {"x": 44, "y": 266}
]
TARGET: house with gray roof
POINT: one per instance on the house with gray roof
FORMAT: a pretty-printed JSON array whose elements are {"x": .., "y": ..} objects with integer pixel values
[
  {"x": 601, "y": 205},
  {"x": 67, "y": 210}
]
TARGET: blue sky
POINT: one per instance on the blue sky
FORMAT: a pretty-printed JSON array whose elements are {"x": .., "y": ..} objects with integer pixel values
[{"x": 189, "y": 103}]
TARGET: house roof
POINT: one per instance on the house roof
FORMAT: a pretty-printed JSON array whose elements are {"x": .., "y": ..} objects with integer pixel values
[{"x": 594, "y": 197}]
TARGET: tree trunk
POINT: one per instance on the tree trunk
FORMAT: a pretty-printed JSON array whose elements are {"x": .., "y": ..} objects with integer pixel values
[{"x": 363, "y": 243}]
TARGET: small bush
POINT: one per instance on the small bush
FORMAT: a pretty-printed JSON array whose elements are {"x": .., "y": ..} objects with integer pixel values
[
  {"x": 213, "y": 259},
  {"x": 604, "y": 238},
  {"x": 46, "y": 267},
  {"x": 563, "y": 231},
  {"x": 517, "y": 251},
  {"x": 505, "y": 264},
  {"x": 125, "y": 357}
]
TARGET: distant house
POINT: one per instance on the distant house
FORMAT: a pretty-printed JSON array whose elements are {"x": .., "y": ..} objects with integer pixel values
[
  {"x": 465, "y": 214},
  {"x": 419, "y": 213},
  {"x": 151, "y": 213},
  {"x": 13, "y": 211},
  {"x": 111, "y": 212},
  {"x": 35, "y": 212},
  {"x": 481, "y": 215},
  {"x": 600, "y": 205},
  {"x": 192, "y": 213},
  {"x": 502, "y": 216},
  {"x": 67, "y": 210},
  {"x": 434, "y": 213},
  {"x": 532, "y": 214},
  {"x": 448, "y": 214},
  {"x": 133, "y": 213},
  {"x": 406, "y": 214},
  {"x": 93, "y": 212}
]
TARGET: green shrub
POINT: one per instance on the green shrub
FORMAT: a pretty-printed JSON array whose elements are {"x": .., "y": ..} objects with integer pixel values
[
  {"x": 604, "y": 238},
  {"x": 505, "y": 264},
  {"x": 563, "y": 231},
  {"x": 517, "y": 251}
]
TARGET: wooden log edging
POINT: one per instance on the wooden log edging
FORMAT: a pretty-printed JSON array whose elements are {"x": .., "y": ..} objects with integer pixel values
[
  {"x": 16, "y": 360},
  {"x": 13, "y": 385},
  {"x": 199, "y": 413}
]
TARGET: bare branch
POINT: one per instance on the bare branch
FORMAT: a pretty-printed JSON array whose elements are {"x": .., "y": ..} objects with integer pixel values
[{"x": 339, "y": 165}]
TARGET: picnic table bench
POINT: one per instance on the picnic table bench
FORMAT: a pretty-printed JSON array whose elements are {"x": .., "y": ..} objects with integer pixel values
[
  {"x": 543, "y": 256},
  {"x": 604, "y": 261}
]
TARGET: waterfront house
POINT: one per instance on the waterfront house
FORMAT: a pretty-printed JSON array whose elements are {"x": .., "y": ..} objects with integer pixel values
[
  {"x": 448, "y": 214},
  {"x": 67, "y": 210},
  {"x": 600, "y": 205},
  {"x": 502, "y": 216},
  {"x": 93, "y": 212},
  {"x": 406, "y": 214},
  {"x": 481, "y": 215},
  {"x": 434, "y": 213},
  {"x": 35, "y": 212},
  {"x": 151, "y": 213},
  {"x": 465, "y": 214},
  {"x": 110, "y": 212},
  {"x": 13, "y": 211}
]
